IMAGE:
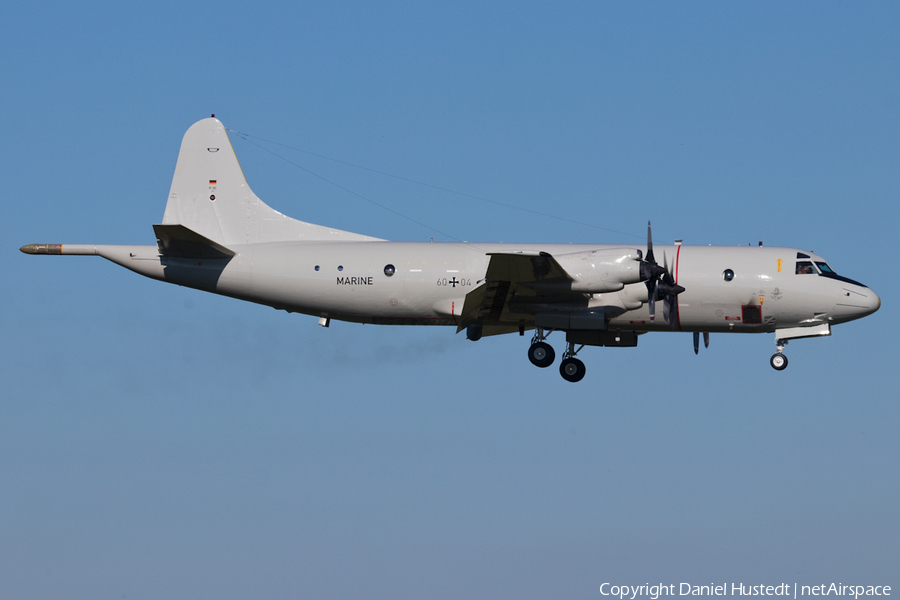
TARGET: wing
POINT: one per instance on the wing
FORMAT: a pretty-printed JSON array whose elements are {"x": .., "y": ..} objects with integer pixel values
[{"x": 516, "y": 287}]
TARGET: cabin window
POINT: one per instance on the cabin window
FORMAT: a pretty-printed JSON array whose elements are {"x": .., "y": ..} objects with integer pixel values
[
  {"x": 340, "y": 267},
  {"x": 317, "y": 267},
  {"x": 805, "y": 267},
  {"x": 727, "y": 274},
  {"x": 389, "y": 270}
]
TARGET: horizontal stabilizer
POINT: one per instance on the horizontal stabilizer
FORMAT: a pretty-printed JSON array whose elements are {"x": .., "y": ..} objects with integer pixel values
[{"x": 180, "y": 242}]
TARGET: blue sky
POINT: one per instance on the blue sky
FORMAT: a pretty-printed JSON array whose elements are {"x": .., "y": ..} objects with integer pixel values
[{"x": 160, "y": 442}]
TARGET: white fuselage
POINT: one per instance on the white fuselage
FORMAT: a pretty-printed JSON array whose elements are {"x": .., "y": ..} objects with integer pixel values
[{"x": 347, "y": 281}]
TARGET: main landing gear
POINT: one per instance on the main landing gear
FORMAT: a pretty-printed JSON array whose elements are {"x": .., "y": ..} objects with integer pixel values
[
  {"x": 541, "y": 354},
  {"x": 571, "y": 368},
  {"x": 779, "y": 361}
]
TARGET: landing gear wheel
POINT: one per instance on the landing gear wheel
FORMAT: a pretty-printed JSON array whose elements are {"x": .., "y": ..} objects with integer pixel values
[
  {"x": 778, "y": 361},
  {"x": 572, "y": 369},
  {"x": 541, "y": 354}
]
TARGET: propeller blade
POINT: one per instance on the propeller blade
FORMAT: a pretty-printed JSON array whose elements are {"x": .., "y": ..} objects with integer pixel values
[
  {"x": 650, "y": 245},
  {"x": 697, "y": 342},
  {"x": 651, "y": 299},
  {"x": 667, "y": 274},
  {"x": 706, "y": 339},
  {"x": 671, "y": 311}
]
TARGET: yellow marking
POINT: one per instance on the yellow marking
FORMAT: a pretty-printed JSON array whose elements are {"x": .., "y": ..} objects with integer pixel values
[{"x": 779, "y": 265}]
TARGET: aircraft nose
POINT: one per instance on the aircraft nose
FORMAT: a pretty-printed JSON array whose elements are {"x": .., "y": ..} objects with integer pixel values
[
  {"x": 855, "y": 302},
  {"x": 874, "y": 302},
  {"x": 862, "y": 302}
]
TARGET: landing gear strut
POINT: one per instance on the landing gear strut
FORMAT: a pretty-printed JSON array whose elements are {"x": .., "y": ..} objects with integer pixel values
[
  {"x": 779, "y": 361},
  {"x": 540, "y": 353},
  {"x": 571, "y": 368}
]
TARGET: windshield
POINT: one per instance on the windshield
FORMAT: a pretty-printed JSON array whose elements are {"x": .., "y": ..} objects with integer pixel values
[{"x": 826, "y": 271}]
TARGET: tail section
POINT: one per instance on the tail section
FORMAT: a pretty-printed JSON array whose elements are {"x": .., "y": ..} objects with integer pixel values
[{"x": 210, "y": 196}]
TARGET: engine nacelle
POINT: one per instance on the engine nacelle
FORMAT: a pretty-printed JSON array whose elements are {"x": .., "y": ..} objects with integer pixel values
[{"x": 601, "y": 271}]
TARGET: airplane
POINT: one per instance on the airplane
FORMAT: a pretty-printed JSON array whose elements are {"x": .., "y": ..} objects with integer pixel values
[{"x": 217, "y": 236}]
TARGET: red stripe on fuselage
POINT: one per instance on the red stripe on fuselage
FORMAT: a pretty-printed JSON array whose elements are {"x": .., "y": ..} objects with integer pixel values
[{"x": 677, "y": 311}]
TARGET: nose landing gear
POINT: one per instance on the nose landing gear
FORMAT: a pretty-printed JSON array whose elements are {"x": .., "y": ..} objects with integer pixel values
[{"x": 779, "y": 361}]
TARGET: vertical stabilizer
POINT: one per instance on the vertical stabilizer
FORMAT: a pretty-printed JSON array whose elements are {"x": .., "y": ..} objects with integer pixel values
[{"x": 210, "y": 196}]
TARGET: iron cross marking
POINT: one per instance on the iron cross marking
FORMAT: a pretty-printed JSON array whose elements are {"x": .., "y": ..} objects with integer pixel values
[{"x": 453, "y": 282}]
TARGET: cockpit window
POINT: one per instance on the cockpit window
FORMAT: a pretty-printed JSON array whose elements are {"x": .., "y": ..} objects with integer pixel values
[
  {"x": 826, "y": 271},
  {"x": 804, "y": 267}
]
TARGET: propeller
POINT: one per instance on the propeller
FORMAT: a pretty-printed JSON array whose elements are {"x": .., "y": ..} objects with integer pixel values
[
  {"x": 650, "y": 272},
  {"x": 660, "y": 284}
]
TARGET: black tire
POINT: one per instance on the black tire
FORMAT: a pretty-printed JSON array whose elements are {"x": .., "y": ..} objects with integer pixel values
[
  {"x": 779, "y": 361},
  {"x": 572, "y": 370},
  {"x": 541, "y": 354}
]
